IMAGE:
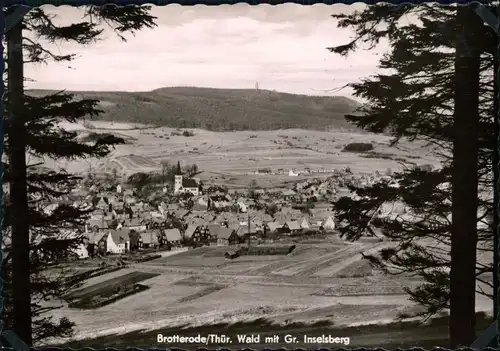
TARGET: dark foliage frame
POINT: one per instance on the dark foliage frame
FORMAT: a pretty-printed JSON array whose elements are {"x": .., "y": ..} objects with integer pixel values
[{"x": 9, "y": 337}]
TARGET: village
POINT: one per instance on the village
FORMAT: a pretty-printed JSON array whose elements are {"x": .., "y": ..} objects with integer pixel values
[
  {"x": 161, "y": 250},
  {"x": 190, "y": 214}
]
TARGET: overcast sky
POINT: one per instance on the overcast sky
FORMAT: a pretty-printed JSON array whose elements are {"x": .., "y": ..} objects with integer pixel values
[{"x": 231, "y": 46}]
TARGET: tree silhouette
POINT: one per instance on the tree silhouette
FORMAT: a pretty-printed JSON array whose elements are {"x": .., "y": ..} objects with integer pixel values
[
  {"x": 413, "y": 98},
  {"x": 46, "y": 140}
]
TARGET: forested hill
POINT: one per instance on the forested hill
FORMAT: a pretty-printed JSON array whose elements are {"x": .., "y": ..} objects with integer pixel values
[{"x": 222, "y": 109}]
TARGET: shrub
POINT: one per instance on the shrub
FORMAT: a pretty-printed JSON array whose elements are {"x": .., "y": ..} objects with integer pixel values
[
  {"x": 187, "y": 133},
  {"x": 142, "y": 98},
  {"x": 358, "y": 147}
]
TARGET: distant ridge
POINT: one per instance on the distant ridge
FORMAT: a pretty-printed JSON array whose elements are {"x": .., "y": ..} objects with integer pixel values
[{"x": 221, "y": 109}]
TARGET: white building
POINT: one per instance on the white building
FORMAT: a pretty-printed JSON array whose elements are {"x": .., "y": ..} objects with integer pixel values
[
  {"x": 183, "y": 185},
  {"x": 117, "y": 241},
  {"x": 81, "y": 251},
  {"x": 328, "y": 223},
  {"x": 324, "y": 219},
  {"x": 304, "y": 224},
  {"x": 242, "y": 206}
]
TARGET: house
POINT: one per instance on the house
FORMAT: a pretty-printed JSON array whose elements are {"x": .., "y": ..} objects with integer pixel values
[
  {"x": 182, "y": 213},
  {"x": 273, "y": 227},
  {"x": 112, "y": 199},
  {"x": 291, "y": 227},
  {"x": 172, "y": 237},
  {"x": 219, "y": 202},
  {"x": 137, "y": 224},
  {"x": 198, "y": 207},
  {"x": 154, "y": 223},
  {"x": 97, "y": 214},
  {"x": 190, "y": 230},
  {"x": 197, "y": 234},
  {"x": 328, "y": 223},
  {"x": 288, "y": 193},
  {"x": 41, "y": 241},
  {"x": 137, "y": 209},
  {"x": 245, "y": 230},
  {"x": 225, "y": 236},
  {"x": 201, "y": 204},
  {"x": 323, "y": 220},
  {"x": 258, "y": 225},
  {"x": 186, "y": 185},
  {"x": 102, "y": 204},
  {"x": 119, "y": 206},
  {"x": 293, "y": 173},
  {"x": 96, "y": 225},
  {"x": 81, "y": 251},
  {"x": 116, "y": 241},
  {"x": 250, "y": 203},
  {"x": 129, "y": 200},
  {"x": 94, "y": 243},
  {"x": 196, "y": 221},
  {"x": 304, "y": 223},
  {"x": 242, "y": 206},
  {"x": 148, "y": 240}
]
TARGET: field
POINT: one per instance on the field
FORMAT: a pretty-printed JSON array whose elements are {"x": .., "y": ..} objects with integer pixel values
[
  {"x": 232, "y": 158},
  {"x": 127, "y": 279},
  {"x": 325, "y": 281}
]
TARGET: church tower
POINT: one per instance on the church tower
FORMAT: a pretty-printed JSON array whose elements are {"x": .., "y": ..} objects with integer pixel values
[{"x": 177, "y": 184}]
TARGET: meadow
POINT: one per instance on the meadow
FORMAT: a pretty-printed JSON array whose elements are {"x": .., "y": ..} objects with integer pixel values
[{"x": 233, "y": 158}]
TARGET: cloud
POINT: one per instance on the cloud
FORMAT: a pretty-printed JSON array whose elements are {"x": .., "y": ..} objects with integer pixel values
[{"x": 233, "y": 46}]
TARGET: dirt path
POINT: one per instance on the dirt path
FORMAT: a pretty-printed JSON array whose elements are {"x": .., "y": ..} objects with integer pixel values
[
  {"x": 294, "y": 268},
  {"x": 346, "y": 261}
]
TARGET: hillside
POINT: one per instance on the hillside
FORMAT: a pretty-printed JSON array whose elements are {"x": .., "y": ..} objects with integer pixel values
[{"x": 221, "y": 109}]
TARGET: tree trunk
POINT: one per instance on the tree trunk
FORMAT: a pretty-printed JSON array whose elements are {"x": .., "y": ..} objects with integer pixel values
[
  {"x": 18, "y": 192},
  {"x": 465, "y": 179}
]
